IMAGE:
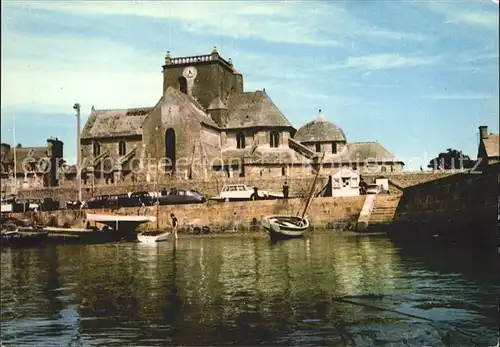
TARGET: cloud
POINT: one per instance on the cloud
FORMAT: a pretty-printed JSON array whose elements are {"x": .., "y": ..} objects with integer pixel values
[
  {"x": 460, "y": 96},
  {"x": 457, "y": 12},
  {"x": 385, "y": 61},
  {"x": 273, "y": 21}
]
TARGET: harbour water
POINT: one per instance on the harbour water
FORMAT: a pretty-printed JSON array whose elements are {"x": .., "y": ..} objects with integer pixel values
[{"x": 334, "y": 289}]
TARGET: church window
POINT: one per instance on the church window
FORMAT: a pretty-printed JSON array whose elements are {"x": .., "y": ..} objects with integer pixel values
[
  {"x": 318, "y": 147},
  {"x": 283, "y": 171},
  {"x": 122, "y": 148},
  {"x": 183, "y": 85},
  {"x": 383, "y": 169},
  {"x": 240, "y": 140},
  {"x": 274, "y": 140},
  {"x": 97, "y": 149},
  {"x": 334, "y": 148}
]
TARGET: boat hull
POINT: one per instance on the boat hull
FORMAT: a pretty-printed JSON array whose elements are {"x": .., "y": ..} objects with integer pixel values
[
  {"x": 23, "y": 239},
  {"x": 285, "y": 227},
  {"x": 144, "y": 238}
]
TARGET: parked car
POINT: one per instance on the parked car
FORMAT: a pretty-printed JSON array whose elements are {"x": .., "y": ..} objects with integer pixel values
[
  {"x": 96, "y": 202},
  {"x": 136, "y": 199},
  {"x": 180, "y": 196},
  {"x": 372, "y": 189},
  {"x": 240, "y": 192},
  {"x": 48, "y": 204}
]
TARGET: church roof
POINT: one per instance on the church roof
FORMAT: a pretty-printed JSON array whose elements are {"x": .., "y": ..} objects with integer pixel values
[
  {"x": 367, "y": 151},
  {"x": 175, "y": 97},
  {"x": 252, "y": 109},
  {"x": 319, "y": 129},
  {"x": 117, "y": 122}
]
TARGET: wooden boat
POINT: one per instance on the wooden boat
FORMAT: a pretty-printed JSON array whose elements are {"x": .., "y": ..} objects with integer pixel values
[
  {"x": 17, "y": 238},
  {"x": 283, "y": 226},
  {"x": 156, "y": 235},
  {"x": 153, "y": 236}
]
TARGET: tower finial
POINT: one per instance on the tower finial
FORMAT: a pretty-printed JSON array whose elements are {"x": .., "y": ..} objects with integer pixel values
[
  {"x": 320, "y": 117},
  {"x": 214, "y": 50},
  {"x": 168, "y": 58}
]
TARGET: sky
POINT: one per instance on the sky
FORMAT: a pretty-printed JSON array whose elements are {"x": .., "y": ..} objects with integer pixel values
[{"x": 417, "y": 76}]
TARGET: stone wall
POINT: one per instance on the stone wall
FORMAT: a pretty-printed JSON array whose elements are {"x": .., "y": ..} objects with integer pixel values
[
  {"x": 228, "y": 216},
  {"x": 460, "y": 208},
  {"x": 299, "y": 179}
]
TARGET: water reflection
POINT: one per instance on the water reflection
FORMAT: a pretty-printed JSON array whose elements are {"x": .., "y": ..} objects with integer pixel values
[{"x": 238, "y": 290}]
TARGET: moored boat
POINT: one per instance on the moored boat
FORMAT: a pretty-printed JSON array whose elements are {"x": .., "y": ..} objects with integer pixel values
[
  {"x": 118, "y": 222},
  {"x": 283, "y": 226},
  {"x": 153, "y": 236},
  {"x": 17, "y": 238}
]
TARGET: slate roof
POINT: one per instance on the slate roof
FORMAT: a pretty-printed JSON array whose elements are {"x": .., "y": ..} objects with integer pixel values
[
  {"x": 117, "y": 122},
  {"x": 372, "y": 151},
  {"x": 282, "y": 156},
  {"x": 175, "y": 97},
  {"x": 23, "y": 156},
  {"x": 251, "y": 109},
  {"x": 492, "y": 145},
  {"x": 319, "y": 129}
]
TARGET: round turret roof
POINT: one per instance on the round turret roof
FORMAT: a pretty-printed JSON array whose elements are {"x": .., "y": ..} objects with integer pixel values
[{"x": 319, "y": 129}]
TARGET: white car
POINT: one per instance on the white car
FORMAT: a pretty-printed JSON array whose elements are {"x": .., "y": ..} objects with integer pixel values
[
  {"x": 235, "y": 192},
  {"x": 372, "y": 189}
]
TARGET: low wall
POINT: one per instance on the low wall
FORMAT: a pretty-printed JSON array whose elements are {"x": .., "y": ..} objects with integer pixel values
[
  {"x": 461, "y": 208},
  {"x": 323, "y": 212},
  {"x": 298, "y": 185}
]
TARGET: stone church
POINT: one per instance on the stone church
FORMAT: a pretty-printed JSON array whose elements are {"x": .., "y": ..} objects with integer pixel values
[{"x": 205, "y": 123}]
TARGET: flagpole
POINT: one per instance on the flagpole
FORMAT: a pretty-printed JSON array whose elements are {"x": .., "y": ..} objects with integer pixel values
[{"x": 15, "y": 150}]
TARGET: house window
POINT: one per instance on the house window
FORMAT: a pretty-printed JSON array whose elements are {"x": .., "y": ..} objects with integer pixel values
[
  {"x": 122, "y": 148},
  {"x": 283, "y": 171},
  {"x": 354, "y": 167},
  {"x": 97, "y": 149},
  {"x": 334, "y": 148},
  {"x": 274, "y": 140},
  {"x": 383, "y": 169},
  {"x": 240, "y": 140},
  {"x": 318, "y": 147}
]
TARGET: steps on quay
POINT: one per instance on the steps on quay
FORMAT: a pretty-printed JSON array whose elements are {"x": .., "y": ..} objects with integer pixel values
[{"x": 384, "y": 209}]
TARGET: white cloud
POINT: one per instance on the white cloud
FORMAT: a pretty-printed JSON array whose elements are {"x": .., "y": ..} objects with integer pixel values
[
  {"x": 385, "y": 61},
  {"x": 308, "y": 22},
  {"x": 458, "y": 12},
  {"x": 460, "y": 96},
  {"x": 63, "y": 72}
]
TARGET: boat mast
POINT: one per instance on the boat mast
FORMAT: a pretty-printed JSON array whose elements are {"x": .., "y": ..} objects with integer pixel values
[{"x": 313, "y": 186}]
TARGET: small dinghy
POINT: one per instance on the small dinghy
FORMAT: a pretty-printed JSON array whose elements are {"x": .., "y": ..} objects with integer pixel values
[
  {"x": 286, "y": 227},
  {"x": 153, "y": 236}
]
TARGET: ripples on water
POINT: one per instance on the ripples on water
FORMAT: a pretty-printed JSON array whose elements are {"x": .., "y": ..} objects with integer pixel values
[{"x": 245, "y": 291}]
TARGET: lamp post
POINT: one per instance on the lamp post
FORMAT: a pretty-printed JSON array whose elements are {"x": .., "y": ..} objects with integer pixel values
[{"x": 76, "y": 107}]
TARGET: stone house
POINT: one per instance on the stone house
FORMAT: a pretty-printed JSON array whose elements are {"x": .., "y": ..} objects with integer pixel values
[
  {"x": 32, "y": 167},
  {"x": 489, "y": 146},
  {"x": 206, "y": 123}
]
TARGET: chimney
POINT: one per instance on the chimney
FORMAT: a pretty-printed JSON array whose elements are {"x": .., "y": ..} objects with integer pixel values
[{"x": 483, "y": 132}]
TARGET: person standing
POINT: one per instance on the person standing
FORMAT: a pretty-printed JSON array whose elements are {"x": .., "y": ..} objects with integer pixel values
[
  {"x": 174, "y": 224},
  {"x": 285, "y": 190}
]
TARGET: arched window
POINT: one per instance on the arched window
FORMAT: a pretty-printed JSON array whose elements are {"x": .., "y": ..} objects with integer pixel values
[
  {"x": 240, "y": 140},
  {"x": 122, "y": 148},
  {"x": 97, "y": 149},
  {"x": 318, "y": 147},
  {"x": 183, "y": 85},
  {"x": 274, "y": 139},
  {"x": 334, "y": 148},
  {"x": 383, "y": 169}
]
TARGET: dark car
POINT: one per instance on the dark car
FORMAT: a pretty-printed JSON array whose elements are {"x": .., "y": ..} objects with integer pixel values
[
  {"x": 96, "y": 202},
  {"x": 135, "y": 199},
  {"x": 48, "y": 204},
  {"x": 181, "y": 196}
]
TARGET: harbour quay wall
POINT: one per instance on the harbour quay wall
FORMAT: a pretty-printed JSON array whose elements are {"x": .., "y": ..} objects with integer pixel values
[
  {"x": 459, "y": 209},
  {"x": 299, "y": 186},
  {"x": 325, "y": 212}
]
